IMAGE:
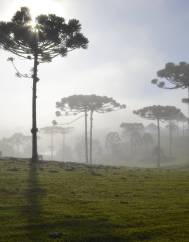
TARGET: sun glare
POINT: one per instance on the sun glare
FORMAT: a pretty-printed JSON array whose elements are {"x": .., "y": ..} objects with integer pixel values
[{"x": 38, "y": 7}]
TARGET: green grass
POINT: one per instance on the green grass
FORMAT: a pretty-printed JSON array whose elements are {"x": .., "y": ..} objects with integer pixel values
[{"x": 110, "y": 204}]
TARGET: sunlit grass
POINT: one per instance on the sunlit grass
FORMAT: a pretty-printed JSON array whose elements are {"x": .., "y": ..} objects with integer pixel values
[{"x": 109, "y": 204}]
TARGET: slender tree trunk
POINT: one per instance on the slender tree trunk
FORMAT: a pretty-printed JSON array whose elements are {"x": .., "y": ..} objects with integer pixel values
[
  {"x": 131, "y": 145},
  {"x": 52, "y": 145},
  {"x": 170, "y": 139},
  {"x": 91, "y": 136},
  {"x": 86, "y": 138},
  {"x": 183, "y": 127},
  {"x": 34, "y": 129},
  {"x": 188, "y": 111},
  {"x": 177, "y": 128},
  {"x": 63, "y": 144},
  {"x": 158, "y": 146}
]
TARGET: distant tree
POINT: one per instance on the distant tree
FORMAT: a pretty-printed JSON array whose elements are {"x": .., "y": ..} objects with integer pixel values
[
  {"x": 18, "y": 141},
  {"x": 147, "y": 139},
  {"x": 51, "y": 37},
  {"x": 129, "y": 128},
  {"x": 175, "y": 76},
  {"x": 172, "y": 127},
  {"x": 65, "y": 153},
  {"x": 15, "y": 144},
  {"x": 175, "y": 116},
  {"x": 79, "y": 149},
  {"x": 113, "y": 144},
  {"x": 133, "y": 131},
  {"x": 74, "y": 105},
  {"x": 183, "y": 119},
  {"x": 97, "y": 151},
  {"x": 101, "y": 104},
  {"x": 63, "y": 131},
  {"x": 91, "y": 104},
  {"x": 158, "y": 113},
  {"x": 112, "y": 138},
  {"x": 6, "y": 148},
  {"x": 151, "y": 128},
  {"x": 52, "y": 130}
]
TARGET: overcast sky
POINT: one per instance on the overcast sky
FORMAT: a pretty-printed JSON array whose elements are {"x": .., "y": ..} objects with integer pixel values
[{"x": 129, "y": 41}]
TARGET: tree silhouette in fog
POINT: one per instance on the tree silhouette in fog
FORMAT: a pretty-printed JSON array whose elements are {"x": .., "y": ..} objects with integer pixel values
[
  {"x": 50, "y": 37},
  {"x": 18, "y": 141},
  {"x": 147, "y": 139},
  {"x": 183, "y": 119},
  {"x": 175, "y": 76},
  {"x": 175, "y": 115},
  {"x": 134, "y": 132},
  {"x": 88, "y": 104},
  {"x": 158, "y": 113},
  {"x": 15, "y": 144},
  {"x": 6, "y": 148},
  {"x": 52, "y": 130},
  {"x": 113, "y": 145}
]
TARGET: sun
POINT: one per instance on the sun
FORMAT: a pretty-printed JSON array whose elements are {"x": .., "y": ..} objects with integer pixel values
[{"x": 38, "y": 7}]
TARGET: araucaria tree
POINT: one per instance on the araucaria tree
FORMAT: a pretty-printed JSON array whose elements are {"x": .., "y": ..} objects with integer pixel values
[
  {"x": 113, "y": 145},
  {"x": 50, "y": 37},
  {"x": 158, "y": 113},
  {"x": 134, "y": 132},
  {"x": 174, "y": 77},
  {"x": 88, "y": 104}
]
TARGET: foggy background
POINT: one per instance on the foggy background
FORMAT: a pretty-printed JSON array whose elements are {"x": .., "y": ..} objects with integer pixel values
[{"x": 128, "y": 42}]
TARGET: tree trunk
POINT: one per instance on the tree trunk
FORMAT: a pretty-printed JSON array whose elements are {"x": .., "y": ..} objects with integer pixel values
[
  {"x": 183, "y": 127},
  {"x": 91, "y": 136},
  {"x": 63, "y": 144},
  {"x": 158, "y": 145},
  {"x": 52, "y": 144},
  {"x": 170, "y": 139},
  {"x": 131, "y": 145},
  {"x": 188, "y": 112},
  {"x": 86, "y": 138},
  {"x": 34, "y": 129},
  {"x": 177, "y": 128}
]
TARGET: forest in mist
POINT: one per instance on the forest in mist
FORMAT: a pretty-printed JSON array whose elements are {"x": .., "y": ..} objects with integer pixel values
[
  {"x": 125, "y": 123},
  {"x": 94, "y": 121}
]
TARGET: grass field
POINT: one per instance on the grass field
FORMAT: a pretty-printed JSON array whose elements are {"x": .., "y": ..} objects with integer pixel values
[{"x": 68, "y": 202}]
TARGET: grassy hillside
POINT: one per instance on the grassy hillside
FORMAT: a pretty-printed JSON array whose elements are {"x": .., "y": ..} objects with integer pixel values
[{"x": 71, "y": 203}]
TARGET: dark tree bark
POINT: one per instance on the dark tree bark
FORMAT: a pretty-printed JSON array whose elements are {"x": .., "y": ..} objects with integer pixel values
[{"x": 34, "y": 129}]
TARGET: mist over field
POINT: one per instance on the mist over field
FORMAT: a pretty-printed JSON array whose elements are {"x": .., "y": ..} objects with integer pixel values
[
  {"x": 94, "y": 120},
  {"x": 128, "y": 43}
]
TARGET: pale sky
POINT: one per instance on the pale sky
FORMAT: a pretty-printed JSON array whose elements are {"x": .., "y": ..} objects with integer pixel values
[{"x": 129, "y": 41}]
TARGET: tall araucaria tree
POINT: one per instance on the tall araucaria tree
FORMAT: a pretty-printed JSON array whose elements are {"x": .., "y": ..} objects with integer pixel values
[
  {"x": 158, "y": 113},
  {"x": 88, "y": 104},
  {"x": 174, "y": 77},
  {"x": 51, "y": 37},
  {"x": 74, "y": 105}
]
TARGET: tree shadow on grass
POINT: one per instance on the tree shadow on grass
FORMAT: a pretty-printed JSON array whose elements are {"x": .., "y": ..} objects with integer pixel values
[{"x": 33, "y": 210}]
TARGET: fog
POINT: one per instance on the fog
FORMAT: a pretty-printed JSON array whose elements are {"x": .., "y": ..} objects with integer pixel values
[{"x": 129, "y": 41}]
